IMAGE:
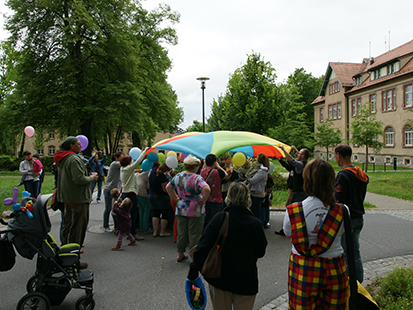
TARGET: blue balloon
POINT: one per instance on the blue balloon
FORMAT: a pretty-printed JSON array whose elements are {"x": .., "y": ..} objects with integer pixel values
[
  {"x": 135, "y": 153},
  {"x": 147, "y": 165},
  {"x": 152, "y": 157},
  {"x": 26, "y": 194},
  {"x": 271, "y": 168}
]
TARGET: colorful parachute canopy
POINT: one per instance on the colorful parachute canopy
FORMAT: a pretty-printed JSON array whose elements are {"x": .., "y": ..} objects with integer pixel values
[{"x": 218, "y": 142}]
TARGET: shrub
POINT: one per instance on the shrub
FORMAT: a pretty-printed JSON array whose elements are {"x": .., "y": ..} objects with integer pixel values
[
  {"x": 396, "y": 290},
  {"x": 6, "y": 162},
  {"x": 280, "y": 182}
]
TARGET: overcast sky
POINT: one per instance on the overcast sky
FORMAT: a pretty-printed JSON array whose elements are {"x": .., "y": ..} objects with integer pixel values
[{"x": 215, "y": 37}]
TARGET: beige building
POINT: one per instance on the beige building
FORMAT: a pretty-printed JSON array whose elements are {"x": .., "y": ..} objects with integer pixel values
[{"x": 387, "y": 82}]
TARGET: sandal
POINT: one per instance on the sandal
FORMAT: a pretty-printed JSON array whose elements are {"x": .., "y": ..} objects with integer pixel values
[{"x": 180, "y": 260}]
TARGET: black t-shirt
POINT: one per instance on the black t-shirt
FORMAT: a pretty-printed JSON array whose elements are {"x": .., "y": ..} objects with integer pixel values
[{"x": 155, "y": 183}]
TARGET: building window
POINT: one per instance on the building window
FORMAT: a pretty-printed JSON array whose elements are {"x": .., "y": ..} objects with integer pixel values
[
  {"x": 357, "y": 80},
  {"x": 408, "y": 96},
  {"x": 51, "y": 150},
  {"x": 372, "y": 159},
  {"x": 358, "y": 105},
  {"x": 130, "y": 135},
  {"x": 334, "y": 87},
  {"x": 334, "y": 111},
  {"x": 389, "y": 100},
  {"x": 388, "y": 160},
  {"x": 119, "y": 149},
  {"x": 40, "y": 152},
  {"x": 408, "y": 136},
  {"x": 407, "y": 161},
  {"x": 373, "y": 103},
  {"x": 51, "y": 136},
  {"x": 391, "y": 68},
  {"x": 321, "y": 115},
  {"x": 377, "y": 74},
  {"x": 389, "y": 136},
  {"x": 353, "y": 107}
]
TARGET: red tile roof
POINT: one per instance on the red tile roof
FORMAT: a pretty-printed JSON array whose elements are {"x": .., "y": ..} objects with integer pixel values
[{"x": 346, "y": 71}]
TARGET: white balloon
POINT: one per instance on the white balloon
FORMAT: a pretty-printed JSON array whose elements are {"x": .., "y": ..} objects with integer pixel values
[{"x": 171, "y": 162}]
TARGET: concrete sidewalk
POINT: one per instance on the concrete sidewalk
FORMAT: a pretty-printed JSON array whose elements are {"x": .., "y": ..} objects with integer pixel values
[{"x": 388, "y": 203}]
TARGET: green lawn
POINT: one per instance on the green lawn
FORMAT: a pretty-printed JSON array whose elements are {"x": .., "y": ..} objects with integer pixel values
[{"x": 10, "y": 181}]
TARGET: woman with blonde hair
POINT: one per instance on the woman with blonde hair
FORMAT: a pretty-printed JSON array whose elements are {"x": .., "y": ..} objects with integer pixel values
[
  {"x": 193, "y": 193},
  {"x": 317, "y": 270},
  {"x": 246, "y": 242}
]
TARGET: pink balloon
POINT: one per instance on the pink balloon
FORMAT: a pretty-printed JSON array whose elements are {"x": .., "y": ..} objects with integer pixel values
[
  {"x": 29, "y": 131},
  {"x": 83, "y": 141},
  {"x": 183, "y": 156}
]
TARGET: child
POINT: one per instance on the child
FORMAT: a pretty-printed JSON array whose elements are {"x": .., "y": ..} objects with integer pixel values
[
  {"x": 115, "y": 193},
  {"x": 37, "y": 172},
  {"x": 123, "y": 222}
]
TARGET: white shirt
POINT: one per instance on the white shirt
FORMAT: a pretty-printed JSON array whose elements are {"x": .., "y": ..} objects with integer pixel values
[{"x": 314, "y": 213}]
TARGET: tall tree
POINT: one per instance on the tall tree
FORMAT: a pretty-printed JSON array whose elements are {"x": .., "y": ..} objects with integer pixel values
[
  {"x": 196, "y": 126},
  {"x": 83, "y": 62},
  {"x": 326, "y": 135},
  {"x": 292, "y": 127},
  {"x": 365, "y": 130},
  {"x": 308, "y": 87},
  {"x": 250, "y": 101}
]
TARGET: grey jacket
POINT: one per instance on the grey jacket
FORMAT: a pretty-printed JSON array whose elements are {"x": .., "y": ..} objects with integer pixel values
[{"x": 258, "y": 181}]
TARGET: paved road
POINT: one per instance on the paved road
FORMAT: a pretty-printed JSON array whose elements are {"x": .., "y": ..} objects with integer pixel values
[{"x": 148, "y": 277}]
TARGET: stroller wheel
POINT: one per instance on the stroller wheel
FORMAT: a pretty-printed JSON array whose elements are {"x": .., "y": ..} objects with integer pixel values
[
  {"x": 85, "y": 303},
  {"x": 34, "y": 300},
  {"x": 32, "y": 283}
]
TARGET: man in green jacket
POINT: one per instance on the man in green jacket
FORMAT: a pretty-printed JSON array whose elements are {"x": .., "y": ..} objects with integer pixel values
[{"x": 73, "y": 188}]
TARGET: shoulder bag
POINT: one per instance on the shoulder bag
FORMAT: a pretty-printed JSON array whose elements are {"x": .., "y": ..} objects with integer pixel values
[
  {"x": 360, "y": 299},
  {"x": 212, "y": 264}
]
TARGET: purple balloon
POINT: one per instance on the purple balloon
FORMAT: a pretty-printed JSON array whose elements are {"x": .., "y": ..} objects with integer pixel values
[
  {"x": 183, "y": 156},
  {"x": 83, "y": 141}
]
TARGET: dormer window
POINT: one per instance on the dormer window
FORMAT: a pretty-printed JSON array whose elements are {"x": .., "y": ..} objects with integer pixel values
[
  {"x": 391, "y": 68},
  {"x": 334, "y": 87},
  {"x": 357, "y": 80}
]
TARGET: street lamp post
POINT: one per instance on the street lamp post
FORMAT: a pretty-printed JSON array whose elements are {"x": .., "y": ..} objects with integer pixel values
[{"x": 203, "y": 79}]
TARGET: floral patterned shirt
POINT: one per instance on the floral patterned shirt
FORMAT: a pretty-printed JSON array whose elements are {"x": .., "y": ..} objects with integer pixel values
[{"x": 189, "y": 188}]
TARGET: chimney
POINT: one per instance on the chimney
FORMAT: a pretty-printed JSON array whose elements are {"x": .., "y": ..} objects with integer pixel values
[{"x": 371, "y": 61}]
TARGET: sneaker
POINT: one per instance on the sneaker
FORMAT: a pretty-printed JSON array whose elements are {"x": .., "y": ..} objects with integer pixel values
[
  {"x": 98, "y": 200},
  {"x": 82, "y": 265},
  {"x": 133, "y": 243},
  {"x": 155, "y": 234},
  {"x": 138, "y": 238},
  {"x": 108, "y": 230},
  {"x": 164, "y": 234},
  {"x": 116, "y": 248}
]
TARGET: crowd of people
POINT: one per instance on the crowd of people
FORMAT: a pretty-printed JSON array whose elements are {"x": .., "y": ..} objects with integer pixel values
[{"x": 197, "y": 200}]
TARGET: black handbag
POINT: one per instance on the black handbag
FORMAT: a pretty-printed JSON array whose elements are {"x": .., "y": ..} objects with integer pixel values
[
  {"x": 7, "y": 254},
  {"x": 360, "y": 299}
]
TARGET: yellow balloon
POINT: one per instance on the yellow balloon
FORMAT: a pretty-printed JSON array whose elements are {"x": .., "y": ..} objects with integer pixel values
[
  {"x": 239, "y": 159},
  {"x": 171, "y": 153}
]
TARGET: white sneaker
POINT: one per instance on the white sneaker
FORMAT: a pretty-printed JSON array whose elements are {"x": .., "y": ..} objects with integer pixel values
[{"x": 108, "y": 230}]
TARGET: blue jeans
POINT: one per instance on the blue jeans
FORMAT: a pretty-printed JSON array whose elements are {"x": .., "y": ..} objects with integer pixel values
[
  {"x": 133, "y": 211},
  {"x": 144, "y": 212},
  {"x": 28, "y": 186},
  {"x": 256, "y": 208},
  {"x": 356, "y": 227},
  {"x": 211, "y": 208},
  {"x": 92, "y": 187},
  {"x": 298, "y": 197},
  {"x": 108, "y": 209}
]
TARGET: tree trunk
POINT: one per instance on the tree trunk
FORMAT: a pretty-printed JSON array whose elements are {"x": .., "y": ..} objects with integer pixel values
[
  {"x": 22, "y": 146},
  {"x": 86, "y": 129},
  {"x": 327, "y": 153}
]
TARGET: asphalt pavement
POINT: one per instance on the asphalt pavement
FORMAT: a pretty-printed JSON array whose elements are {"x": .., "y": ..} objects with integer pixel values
[{"x": 147, "y": 276}]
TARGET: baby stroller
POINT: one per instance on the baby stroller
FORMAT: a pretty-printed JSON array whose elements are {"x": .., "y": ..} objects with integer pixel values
[{"x": 57, "y": 269}]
